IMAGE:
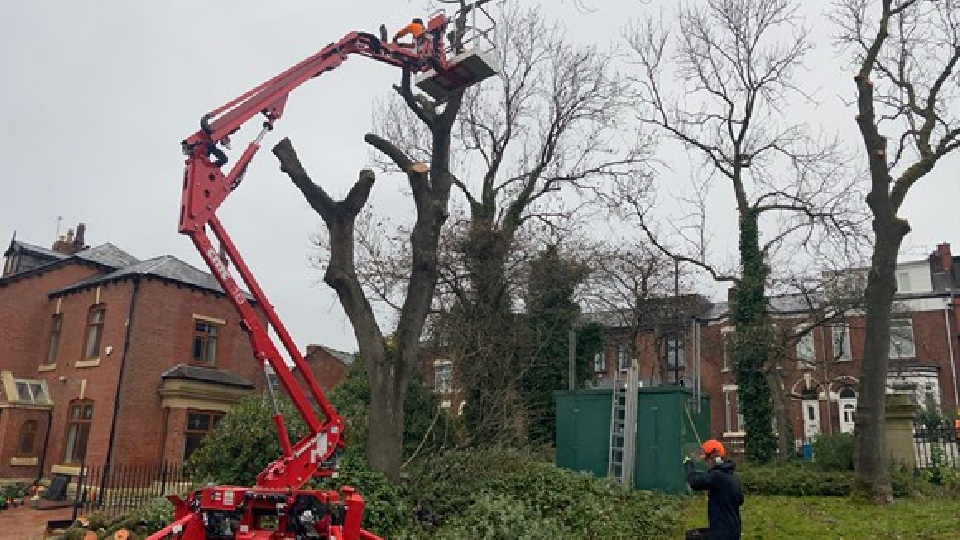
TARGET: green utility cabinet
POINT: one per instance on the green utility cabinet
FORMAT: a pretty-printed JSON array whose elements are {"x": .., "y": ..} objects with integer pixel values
[{"x": 663, "y": 432}]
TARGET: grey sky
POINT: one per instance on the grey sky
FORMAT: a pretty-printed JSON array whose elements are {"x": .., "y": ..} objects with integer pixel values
[{"x": 99, "y": 94}]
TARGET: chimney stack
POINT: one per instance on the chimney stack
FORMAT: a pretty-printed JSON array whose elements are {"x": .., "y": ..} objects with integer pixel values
[
  {"x": 732, "y": 295},
  {"x": 69, "y": 243},
  {"x": 78, "y": 240},
  {"x": 946, "y": 258}
]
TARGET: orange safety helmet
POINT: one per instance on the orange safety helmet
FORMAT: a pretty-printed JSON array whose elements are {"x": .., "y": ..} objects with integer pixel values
[{"x": 713, "y": 448}]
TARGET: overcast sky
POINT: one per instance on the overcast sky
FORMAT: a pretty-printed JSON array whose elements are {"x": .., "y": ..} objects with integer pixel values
[{"x": 97, "y": 96}]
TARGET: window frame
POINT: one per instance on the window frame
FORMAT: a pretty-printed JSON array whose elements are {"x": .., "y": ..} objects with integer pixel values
[
  {"x": 804, "y": 362},
  {"x": 843, "y": 401},
  {"x": 903, "y": 278},
  {"x": 32, "y": 451},
  {"x": 33, "y": 397},
  {"x": 98, "y": 329},
  {"x": 623, "y": 357},
  {"x": 443, "y": 385},
  {"x": 846, "y": 351},
  {"x": 912, "y": 339},
  {"x": 673, "y": 343},
  {"x": 729, "y": 415},
  {"x": 599, "y": 362},
  {"x": 82, "y": 436},
  {"x": 206, "y": 338},
  {"x": 213, "y": 420},
  {"x": 726, "y": 334},
  {"x": 53, "y": 344}
]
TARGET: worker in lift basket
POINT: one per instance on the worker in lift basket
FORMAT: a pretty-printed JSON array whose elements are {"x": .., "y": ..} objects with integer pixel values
[
  {"x": 724, "y": 492},
  {"x": 415, "y": 29}
]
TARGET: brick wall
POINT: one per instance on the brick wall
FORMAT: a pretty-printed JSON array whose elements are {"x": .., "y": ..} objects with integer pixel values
[
  {"x": 327, "y": 369},
  {"x": 162, "y": 337},
  {"x": 11, "y": 422},
  {"x": 829, "y": 373},
  {"x": 76, "y": 377},
  {"x": 25, "y": 316}
]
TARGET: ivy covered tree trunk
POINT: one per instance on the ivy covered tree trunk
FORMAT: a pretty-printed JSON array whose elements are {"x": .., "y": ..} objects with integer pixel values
[
  {"x": 752, "y": 348},
  {"x": 487, "y": 333}
]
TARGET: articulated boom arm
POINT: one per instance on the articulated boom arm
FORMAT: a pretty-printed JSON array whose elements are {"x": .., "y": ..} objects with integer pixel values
[
  {"x": 205, "y": 186},
  {"x": 241, "y": 513}
]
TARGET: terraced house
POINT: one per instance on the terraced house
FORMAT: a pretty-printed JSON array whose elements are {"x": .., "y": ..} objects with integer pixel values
[
  {"x": 108, "y": 358},
  {"x": 819, "y": 364}
]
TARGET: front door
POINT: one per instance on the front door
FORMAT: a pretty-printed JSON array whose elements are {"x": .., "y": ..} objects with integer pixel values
[{"x": 811, "y": 418}]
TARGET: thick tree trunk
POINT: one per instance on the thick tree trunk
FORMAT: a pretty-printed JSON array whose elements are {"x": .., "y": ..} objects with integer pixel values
[
  {"x": 870, "y": 457},
  {"x": 385, "y": 441}
]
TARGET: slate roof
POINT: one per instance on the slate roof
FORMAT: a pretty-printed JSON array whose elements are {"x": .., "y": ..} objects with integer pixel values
[
  {"x": 782, "y": 304},
  {"x": 207, "y": 375},
  {"x": 345, "y": 357},
  {"x": 38, "y": 250},
  {"x": 107, "y": 255},
  {"x": 165, "y": 267}
]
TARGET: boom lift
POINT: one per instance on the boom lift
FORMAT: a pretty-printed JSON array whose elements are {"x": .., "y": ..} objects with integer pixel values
[{"x": 277, "y": 508}]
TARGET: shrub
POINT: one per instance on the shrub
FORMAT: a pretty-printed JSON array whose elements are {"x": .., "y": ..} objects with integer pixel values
[
  {"x": 424, "y": 421},
  {"x": 794, "y": 479},
  {"x": 386, "y": 507},
  {"x": 834, "y": 452},
  {"x": 244, "y": 443},
  {"x": 583, "y": 506}
]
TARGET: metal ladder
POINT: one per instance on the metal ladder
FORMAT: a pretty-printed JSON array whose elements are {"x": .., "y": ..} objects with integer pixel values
[{"x": 623, "y": 425}]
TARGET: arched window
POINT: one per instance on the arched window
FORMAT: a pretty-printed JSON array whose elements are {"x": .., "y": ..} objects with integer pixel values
[
  {"x": 79, "y": 418},
  {"x": 848, "y": 406},
  {"x": 28, "y": 439}
]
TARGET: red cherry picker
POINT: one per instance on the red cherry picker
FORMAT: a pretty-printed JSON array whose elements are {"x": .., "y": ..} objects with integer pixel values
[{"x": 277, "y": 507}]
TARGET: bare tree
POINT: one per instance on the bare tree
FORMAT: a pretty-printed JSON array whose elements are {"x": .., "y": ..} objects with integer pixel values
[
  {"x": 526, "y": 150},
  {"x": 632, "y": 285},
  {"x": 734, "y": 82},
  {"x": 908, "y": 84}
]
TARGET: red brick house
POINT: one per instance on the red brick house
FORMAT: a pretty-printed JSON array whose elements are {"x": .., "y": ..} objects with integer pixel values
[
  {"x": 105, "y": 357},
  {"x": 821, "y": 369},
  {"x": 327, "y": 365}
]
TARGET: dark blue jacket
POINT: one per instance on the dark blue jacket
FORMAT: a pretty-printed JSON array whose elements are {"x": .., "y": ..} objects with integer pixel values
[{"x": 724, "y": 498}]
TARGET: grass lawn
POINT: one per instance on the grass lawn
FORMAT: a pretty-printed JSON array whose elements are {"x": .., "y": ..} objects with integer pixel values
[{"x": 776, "y": 517}]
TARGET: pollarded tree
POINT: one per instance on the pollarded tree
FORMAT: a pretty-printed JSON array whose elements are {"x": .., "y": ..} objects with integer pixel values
[
  {"x": 722, "y": 83},
  {"x": 390, "y": 368},
  {"x": 907, "y": 55}
]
